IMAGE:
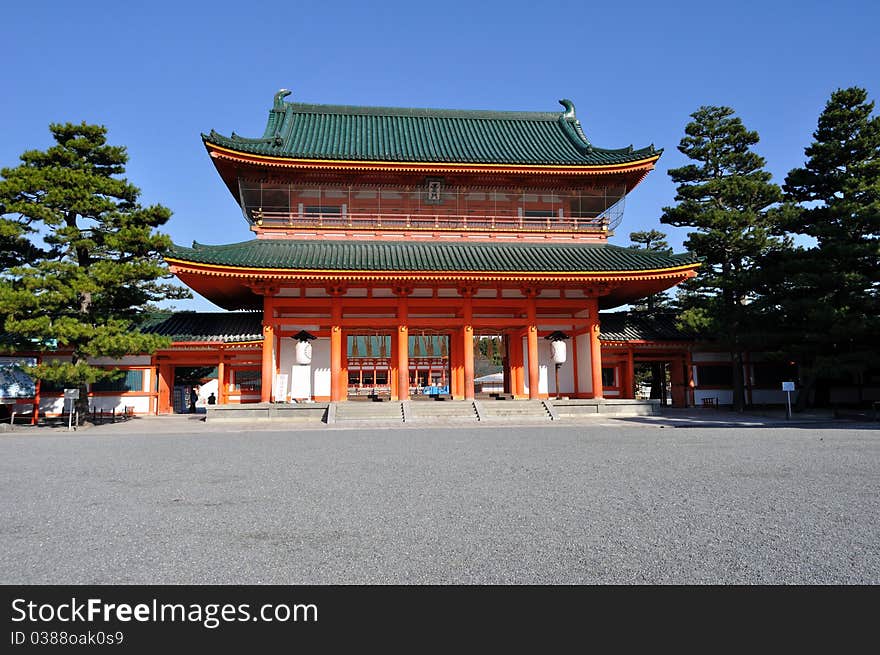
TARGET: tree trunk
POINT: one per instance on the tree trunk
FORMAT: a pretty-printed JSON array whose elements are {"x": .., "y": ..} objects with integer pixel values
[
  {"x": 81, "y": 405},
  {"x": 803, "y": 397},
  {"x": 739, "y": 396},
  {"x": 657, "y": 380}
]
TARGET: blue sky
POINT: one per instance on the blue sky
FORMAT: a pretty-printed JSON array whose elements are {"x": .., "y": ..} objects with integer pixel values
[{"x": 158, "y": 74}]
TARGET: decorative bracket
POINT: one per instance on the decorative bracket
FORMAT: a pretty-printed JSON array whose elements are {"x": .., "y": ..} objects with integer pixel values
[{"x": 263, "y": 288}]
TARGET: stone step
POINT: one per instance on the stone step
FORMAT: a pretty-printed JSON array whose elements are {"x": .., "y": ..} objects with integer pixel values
[
  {"x": 390, "y": 411},
  {"x": 516, "y": 409},
  {"x": 443, "y": 411}
]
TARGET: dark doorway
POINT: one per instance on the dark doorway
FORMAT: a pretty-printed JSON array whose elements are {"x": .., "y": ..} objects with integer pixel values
[
  {"x": 189, "y": 379},
  {"x": 653, "y": 381}
]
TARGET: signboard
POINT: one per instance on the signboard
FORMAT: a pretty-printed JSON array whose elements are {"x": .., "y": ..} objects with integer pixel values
[
  {"x": 788, "y": 387},
  {"x": 14, "y": 382},
  {"x": 71, "y": 394},
  {"x": 280, "y": 389}
]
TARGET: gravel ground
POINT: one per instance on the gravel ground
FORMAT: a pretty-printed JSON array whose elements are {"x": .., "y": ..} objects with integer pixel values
[{"x": 608, "y": 502}]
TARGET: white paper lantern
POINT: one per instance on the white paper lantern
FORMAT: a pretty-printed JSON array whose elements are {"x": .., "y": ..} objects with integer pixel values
[
  {"x": 303, "y": 352},
  {"x": 557, "y": 350}
]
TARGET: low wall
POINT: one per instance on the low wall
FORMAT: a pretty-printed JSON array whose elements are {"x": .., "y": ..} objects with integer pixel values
[
  {"x": 295, "y": 412},
  {"x": 619, "y": 407}
]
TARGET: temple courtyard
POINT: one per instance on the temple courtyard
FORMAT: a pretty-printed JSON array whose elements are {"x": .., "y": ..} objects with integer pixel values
[{"x": 682, "y": 498}]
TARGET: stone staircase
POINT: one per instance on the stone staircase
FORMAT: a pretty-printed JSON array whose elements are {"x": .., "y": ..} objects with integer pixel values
[
  {"x": 452, "y": 411},
  {"x": 526, "y": 411},
  {"x": 350, "y": 412}
]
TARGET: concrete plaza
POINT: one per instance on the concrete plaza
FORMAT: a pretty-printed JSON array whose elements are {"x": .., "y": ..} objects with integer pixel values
[{"x": 639, "y": 500}]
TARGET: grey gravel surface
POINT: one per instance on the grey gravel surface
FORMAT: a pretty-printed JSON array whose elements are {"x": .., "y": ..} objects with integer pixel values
[{"x": 607, "y": 502}]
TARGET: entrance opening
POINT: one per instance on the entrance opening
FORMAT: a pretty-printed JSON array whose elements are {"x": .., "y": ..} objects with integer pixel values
[
  {"x": 369, "y": 365},
  {"x": 490, "y": 364},
  {"x": 653, "y": 381},
  {"x": 429, "y": 372},
  {"x": 188, "y": 379}
]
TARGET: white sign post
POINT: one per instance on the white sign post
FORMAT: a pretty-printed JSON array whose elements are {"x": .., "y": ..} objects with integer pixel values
[
  {"x": 72, "y": 395},
  {"x": 788, "y": 387},
  {"x": 280, "y": 390}
]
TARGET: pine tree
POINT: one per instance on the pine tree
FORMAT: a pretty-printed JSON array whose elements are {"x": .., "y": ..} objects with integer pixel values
[
  {"x": 99, "y": 263},
  {"x": 655, "y": 241},
  {"x": 725, "y": 196},
  {"x": 826, "y": 297}
]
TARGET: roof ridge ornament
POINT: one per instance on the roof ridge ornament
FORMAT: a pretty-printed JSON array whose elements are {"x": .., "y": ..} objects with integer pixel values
[
  {"x": 569, "y": 109},
  {"x": 279, "y": 98}
]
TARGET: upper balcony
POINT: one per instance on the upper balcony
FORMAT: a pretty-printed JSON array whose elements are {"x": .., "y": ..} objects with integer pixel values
[{"x": 304, "y": 210}]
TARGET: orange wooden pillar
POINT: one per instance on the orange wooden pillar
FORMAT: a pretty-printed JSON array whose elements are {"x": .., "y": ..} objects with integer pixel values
[
  {"x": 402, "y": 344},
  {"x": 166, "y": 381},
  {"x": 343, "y": 377},
  {"x": 335, "y": 349},
  {"x": 532, "y": 335},
  {"x": 468, "y": 344},
  {"x": 505, "y": 363},
  {"x": 267, "y": 369},
  {"x": 595, "y": 348},
  {"x": 630, "y": 377},
  {"x": 392, "y": 366},
  {"x": 515, "y": 353},
  {"x": 456, "y": 370},
  {"x": 221, "y": 381},
  {"x": 678, "y": 379}
]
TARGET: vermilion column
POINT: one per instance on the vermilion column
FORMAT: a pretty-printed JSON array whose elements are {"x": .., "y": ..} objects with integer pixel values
[
  {"x": 517, "y": 388},
  {"x": 335, "y": 350},
  {"x": 468, "y": 343},
  {"x": 506, "y": 365},
  {"x": 402, "y": 346},
  {"x": 163, "y": 404},
  {"x": 630, "y": 374},
  {"x": 532, "y": 336},
  {"x": 266, "y": 368},
  {"x": 595, "y": 349},
  {"x": 392, "y": 366},
  {"x": 456, "y": 370},
  {"x": 221, "y": 381}
]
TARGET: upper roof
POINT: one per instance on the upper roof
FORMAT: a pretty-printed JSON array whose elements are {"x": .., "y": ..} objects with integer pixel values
[
  {"x": 429, "y": 256},
  {"x": 390, "y": 134}
]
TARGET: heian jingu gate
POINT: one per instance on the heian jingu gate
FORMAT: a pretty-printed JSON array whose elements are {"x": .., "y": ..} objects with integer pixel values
[{"x": 390, "y": 240}]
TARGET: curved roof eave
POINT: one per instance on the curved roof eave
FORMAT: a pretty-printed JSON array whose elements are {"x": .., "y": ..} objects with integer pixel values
[{"x": 336, "y": 133}]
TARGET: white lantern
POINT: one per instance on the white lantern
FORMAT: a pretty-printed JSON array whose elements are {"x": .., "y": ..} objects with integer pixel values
[
  {"x": 557, "y": 350},
  {"x": 303, "y": 352}
]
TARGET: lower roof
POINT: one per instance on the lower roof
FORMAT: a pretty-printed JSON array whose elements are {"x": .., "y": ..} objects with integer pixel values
[
  {"x": 429, "y": 256},
  {"x": 228, "y": 274}
]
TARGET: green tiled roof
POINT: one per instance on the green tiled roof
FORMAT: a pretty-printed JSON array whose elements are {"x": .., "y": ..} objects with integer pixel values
[
  {"x": 634, "y": 326},
  {"x": 220, "y": 327},
  {"x": 489, "y": 257},
  {"x": 336, "y": 132}
]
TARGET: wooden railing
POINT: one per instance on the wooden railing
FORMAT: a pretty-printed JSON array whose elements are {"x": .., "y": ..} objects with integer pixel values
[{"x": 451, "y": 222}]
